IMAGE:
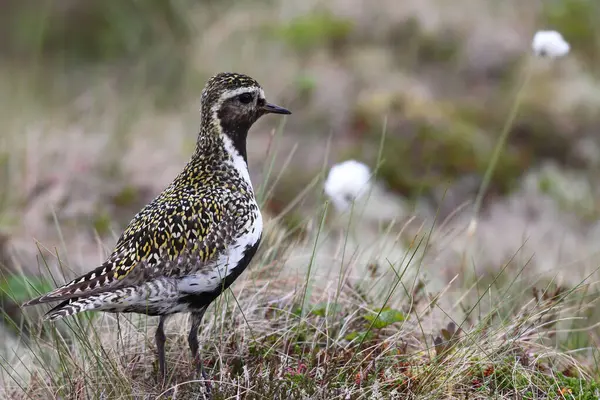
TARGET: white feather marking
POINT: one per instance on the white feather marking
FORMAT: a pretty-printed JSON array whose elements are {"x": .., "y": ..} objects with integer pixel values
[
  {"x": 237, "y": 161},
  {"x": 226, "y": 262},
  {"x": 208, "y": 282},
  {"x": 232, "y": 93},
  {"x": 235, "y": 92}
]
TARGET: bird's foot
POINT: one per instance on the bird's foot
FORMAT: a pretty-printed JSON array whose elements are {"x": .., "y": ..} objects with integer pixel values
[
  {"x": 161, "y": 376},
  {"x": 201, "y": 373},
  {"x": 207, "y": 381}
]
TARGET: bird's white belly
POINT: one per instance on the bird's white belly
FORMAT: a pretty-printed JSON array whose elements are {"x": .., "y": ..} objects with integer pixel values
[{"x": 210, "y": 279}]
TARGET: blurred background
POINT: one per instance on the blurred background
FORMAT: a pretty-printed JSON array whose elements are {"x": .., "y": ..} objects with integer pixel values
[{"x": 100, "y": 111}]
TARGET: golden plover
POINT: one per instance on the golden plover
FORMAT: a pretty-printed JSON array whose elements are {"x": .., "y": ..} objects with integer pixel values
[{"x": 181, "y": 251}]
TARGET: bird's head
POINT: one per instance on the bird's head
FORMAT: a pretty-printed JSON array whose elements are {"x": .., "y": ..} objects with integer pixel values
[{"x": 233, "y": 102}]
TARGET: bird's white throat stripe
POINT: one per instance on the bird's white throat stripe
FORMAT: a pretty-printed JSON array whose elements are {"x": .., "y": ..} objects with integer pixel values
[{"x": 237, "y": 160}]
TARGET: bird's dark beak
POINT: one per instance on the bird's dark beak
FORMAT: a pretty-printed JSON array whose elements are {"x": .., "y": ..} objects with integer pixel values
[{"x": 273, "y": 109}]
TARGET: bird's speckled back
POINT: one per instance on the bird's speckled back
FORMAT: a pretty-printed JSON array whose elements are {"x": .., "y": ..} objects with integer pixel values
[{"x": 209, "y": 187}]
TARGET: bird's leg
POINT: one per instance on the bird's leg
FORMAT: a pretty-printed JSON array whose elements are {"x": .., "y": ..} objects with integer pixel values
[
  {"x": 160, "y": 347},
  {"x": 194, "y": 346}
]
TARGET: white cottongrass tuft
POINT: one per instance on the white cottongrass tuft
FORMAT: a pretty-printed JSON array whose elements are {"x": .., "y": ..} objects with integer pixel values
[
  {"x": 347, "y": 182},
  {"x": 550, "y": 44}
]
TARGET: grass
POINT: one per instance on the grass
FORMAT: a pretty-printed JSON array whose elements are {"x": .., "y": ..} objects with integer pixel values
[
  {"x": 304, "y": 327},
  {"x": 259, "y": 343}
]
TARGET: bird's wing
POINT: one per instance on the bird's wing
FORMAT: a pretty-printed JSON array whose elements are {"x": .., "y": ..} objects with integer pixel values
[{"x": 174, "y": 244}]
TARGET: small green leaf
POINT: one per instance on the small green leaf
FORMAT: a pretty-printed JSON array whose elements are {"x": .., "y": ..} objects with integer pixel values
[
  {"x": 330, "y": 308},
  {"x": 126, "y": 197},
  {"x": 360, "y": 336},
  {"x": 102, "y": 222},
  {"x": 386, "y": 318},
  {"x": 309, "y": 31},
  {"x": 297, "y": 311},
  {"x": 305, "y": 83},
  {"x": 446, "y": 334}
]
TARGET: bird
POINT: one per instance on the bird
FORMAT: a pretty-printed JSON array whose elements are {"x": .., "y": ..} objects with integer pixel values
[{"x": 190, "y": 243}]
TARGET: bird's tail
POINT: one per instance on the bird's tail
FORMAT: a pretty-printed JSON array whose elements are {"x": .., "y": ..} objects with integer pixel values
[
  {"x": 142, "y": 298},
  {"x": 100, "y": 301},
  {"x": 64, "y": 309}
]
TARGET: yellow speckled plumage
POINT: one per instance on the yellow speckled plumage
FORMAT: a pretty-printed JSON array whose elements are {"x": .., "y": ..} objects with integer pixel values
[{"x": 195, "y": 238}]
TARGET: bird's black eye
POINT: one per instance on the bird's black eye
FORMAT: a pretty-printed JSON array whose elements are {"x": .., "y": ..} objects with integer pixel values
[{"x": 245, "y": 98}]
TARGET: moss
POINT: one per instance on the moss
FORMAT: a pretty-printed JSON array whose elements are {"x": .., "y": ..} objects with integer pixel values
[
  {"x": 537, "y": 137},
  {"x": 534, "y": 133},
  {"x": 8, "y": 217},
  {"x": 127, "y": 197},
  {"x": 305, "y": 85},
  {"x": 532, "y": 385},
  {"x": 285, "y": 191},
  {"x": 507, "y": 377},
  {"x": 416, "y": 46},
  {"x": 436, "y": 155},
  {"x": 436, "y": 49},
  {"x": 432, "y": 143},
  {"x": 577, "y": 388},
  {"x": 295, "y": 224},
  {"x": 96, "y": 30},
  {"x": 313, "y": 30},
  {"x": 102, "y": 223}
]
